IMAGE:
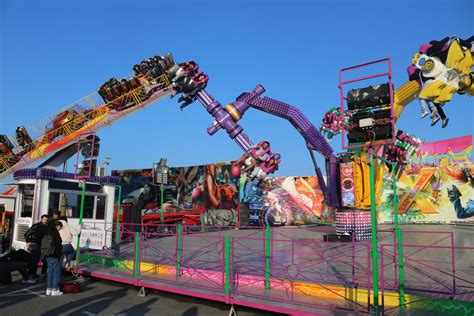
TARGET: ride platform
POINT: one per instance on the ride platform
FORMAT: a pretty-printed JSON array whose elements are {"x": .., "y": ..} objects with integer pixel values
[{"x": 291, "y": 269}]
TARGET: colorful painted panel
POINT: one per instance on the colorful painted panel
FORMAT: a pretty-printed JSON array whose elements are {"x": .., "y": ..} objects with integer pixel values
[
  {"x": 437, "y": 186},
  {"x": 213, "y": 188},
  {"x": 284, "y": 201}
]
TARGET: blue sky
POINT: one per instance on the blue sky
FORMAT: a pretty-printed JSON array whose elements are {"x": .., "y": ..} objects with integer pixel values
[{"x": 55, "y": 52}]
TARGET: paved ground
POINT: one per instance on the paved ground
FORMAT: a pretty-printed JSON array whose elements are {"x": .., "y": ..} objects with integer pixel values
[{"x": 100, "y": 297}]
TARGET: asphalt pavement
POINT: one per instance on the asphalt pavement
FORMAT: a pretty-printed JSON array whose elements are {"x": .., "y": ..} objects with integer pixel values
[{"x": 99, "y": 297}]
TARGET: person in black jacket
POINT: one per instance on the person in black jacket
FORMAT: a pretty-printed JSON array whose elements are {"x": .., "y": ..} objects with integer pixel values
[
  {"x": 20, "y": 260},
  {"x": 33, "y": 237},
  {"x": 51, "y": 249}
]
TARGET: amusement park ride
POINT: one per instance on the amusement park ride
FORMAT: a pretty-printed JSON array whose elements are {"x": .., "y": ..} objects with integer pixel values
[
  {"x": 366, "y": 119},
  {"x": 438, "y": 70}
]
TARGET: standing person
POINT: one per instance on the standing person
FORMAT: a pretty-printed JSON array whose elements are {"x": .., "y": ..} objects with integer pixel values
[
  {"x": 51, "y": 249},
  {"x": 55, "y": 215},
  {"x": 67, "y": 233},
  {"x": 33, "y": 237}
]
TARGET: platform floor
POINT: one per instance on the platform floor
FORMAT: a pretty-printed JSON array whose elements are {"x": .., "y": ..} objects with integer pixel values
[
  {"x": 272, "y": 300},
  {"x": 300, "y": 257}
]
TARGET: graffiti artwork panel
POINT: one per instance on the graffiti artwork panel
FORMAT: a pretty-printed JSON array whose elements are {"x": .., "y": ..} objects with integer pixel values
[
  {"x": 211, "y": 188},
  {"x": 284, "y": 201},
  {"x": 437, "y": 185},
  {"x": 137, "y": 187}
]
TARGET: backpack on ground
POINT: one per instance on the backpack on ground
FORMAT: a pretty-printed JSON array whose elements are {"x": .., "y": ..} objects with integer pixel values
[
  {"x": 47, "y": 246},
  {"x": 70, "y": 287}
]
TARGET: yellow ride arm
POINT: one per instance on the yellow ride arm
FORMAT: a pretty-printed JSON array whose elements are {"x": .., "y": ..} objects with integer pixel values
[{"x": 403, "y": 96}]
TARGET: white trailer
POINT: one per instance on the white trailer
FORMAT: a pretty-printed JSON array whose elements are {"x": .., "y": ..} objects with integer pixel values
[{"x": 36, "y": 197}]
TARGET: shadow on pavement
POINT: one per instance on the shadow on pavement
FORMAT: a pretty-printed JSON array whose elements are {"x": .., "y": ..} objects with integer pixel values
[
  {"x": 18, "y": 293},
  {"x": 88, "y": 305},
  {"x": 139, "y": 309}
]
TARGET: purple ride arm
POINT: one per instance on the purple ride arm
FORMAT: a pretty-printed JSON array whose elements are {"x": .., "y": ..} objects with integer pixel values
[
  {"x": 234, "y": 130},
  {"x": 314, "y": 139}
]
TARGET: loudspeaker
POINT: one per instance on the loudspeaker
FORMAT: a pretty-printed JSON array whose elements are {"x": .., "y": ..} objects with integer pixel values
[
  {"x": 376, "y": 133},
  {"x": 376, "y": 114},
  {"x": 330, "y": 237},
  {"x": 369, "y": 97},
  {"x": 347, "y": 184},
  {"x": 345, "y": 238},
  {"x": 383, "y": 132},
  {"x": 357, "y": 136}
]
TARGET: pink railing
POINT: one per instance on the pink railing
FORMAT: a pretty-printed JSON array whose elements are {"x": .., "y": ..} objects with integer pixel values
[
  {"x": 277, "y": 265},
  {"x": 296, "y": 262}
]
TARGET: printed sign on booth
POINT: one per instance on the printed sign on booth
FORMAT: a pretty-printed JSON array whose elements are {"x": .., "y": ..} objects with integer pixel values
[{"x": 92, "y": 239}]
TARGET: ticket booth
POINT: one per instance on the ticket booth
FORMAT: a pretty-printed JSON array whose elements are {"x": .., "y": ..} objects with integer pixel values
[{"x": 38, "y": 195}]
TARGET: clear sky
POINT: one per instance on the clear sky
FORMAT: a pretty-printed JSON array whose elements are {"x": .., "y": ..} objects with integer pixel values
[{"x": 55, "y": 52}]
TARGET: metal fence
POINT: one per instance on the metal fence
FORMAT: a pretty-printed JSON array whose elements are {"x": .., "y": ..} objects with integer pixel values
[
  {"x": 438, "y": 269},
  {"x": 279, "y": 267}
]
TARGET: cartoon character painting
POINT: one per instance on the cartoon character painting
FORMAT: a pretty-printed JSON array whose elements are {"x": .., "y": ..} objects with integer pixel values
[{"x": 455, "y": 197}]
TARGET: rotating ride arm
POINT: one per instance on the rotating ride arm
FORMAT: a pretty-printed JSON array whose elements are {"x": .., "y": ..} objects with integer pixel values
[
  {"x": 62, "y": 131},
  {"x": 314, "y": 139},
  {"x": 403, "y": 96},
  {"x": 227, "y": 118}
]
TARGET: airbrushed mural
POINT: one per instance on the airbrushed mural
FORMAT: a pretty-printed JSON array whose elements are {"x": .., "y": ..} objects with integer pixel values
[
  {"x": 436, "y": 186},
  {"x": 211, "y": 188},
  {"x": 283, "y": 201}
]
